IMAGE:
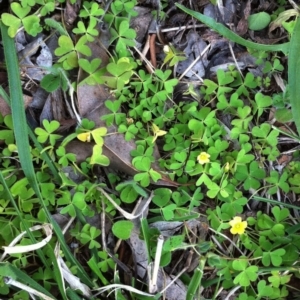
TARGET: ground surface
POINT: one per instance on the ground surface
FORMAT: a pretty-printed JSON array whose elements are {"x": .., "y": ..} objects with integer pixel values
[{"x": 173, "y": 142}]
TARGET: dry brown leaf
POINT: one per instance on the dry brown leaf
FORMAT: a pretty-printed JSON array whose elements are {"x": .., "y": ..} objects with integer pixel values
[
  {"x": 5, "y": 109},
  {"x": 71, "y": 12},
  {"x": 177, "y": 290},
  {"x": 141, "y": 22},
  {"x": 242, "y": 26},
  {"x": 91, "y": 105}
]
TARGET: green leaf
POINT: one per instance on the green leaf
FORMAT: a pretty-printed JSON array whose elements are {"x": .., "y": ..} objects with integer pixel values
[
  {"x": 12, "y": 22},
  {"x": 32, "y": 25},
  {"x": 283, "y": 115},
  {"x": 143, "y": 178},
  {"x": 65, "y": 45},
  {"x": 280, "y": 214},
  {"x": 259, "y": 21},
  {"x": 125, "y": 31},
  {"x": 263, "y": 289},
  {"x": 170, "y": 84},
  {"x": 128, "y": 194},
  {"x": 89, "y": 67},
  {"x": 47, "y": 8},
  {"x": 106, "y": 262},
  {"x": 50, "y": 82},
  {"x": 274, "y": 257},
  {"x": 98, "y": 157},
  {"x": 20, "y": 11},
  {"x": 162, "y": 196},
  {"x": 211, "y": 86},
  {"x": 143, "y": 164},
  {"x": 155, "y": 175},
  {"x": 246, "y": 276},
  {"x": 122, "y": 229},
  {"x": 224, "y": 78},
  {"x": 97, "y": 134},
  {"x": 262, "y": 102},
  {"x": 173, "y": 243},
  {"x": 82, "y": 48},
  {"x": 80, "y": 28},
  {"x": 261, "y": 131}
]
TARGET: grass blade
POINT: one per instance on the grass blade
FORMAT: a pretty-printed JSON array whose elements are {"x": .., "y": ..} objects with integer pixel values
[
  {"x": 21, "y": 135},
  {"x": 196, "y": 280},
  {"x": 230, "y": 35},
  {"x": 8, "y": 270},
  {"x": 274, "y": 202},
  {"x": 294, "y": 73}
]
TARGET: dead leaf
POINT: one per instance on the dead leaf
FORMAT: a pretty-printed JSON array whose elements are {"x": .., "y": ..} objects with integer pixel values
[
  {"x": 44, "y": 58},
  {"x": 71, "y": 12},
  {"x": 91, "y": 105},
  {"x": 54, "y": 108},
  {"x": 5, "y": 108},
  {"x": 176, "y": 291},
  {"x": 242, "y": 26},
  {"x": 141, "y": 22}
]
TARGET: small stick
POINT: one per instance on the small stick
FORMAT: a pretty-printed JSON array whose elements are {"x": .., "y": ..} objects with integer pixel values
[{"x": 152, "y": 49}]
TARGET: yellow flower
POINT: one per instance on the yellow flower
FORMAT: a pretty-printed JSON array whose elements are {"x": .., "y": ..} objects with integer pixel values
[
  {"x": 237, "y": 225},
  {"x": 129, "y": 121},
  {"x": 166, "y": 49},
  {"x": 203, "y": 158},
  {"x": 84, "y": 136},
  {"x": 157, "y": 132},
  {"x": 226, "y": 167}
]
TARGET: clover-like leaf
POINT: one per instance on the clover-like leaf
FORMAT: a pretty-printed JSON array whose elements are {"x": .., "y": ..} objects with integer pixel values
[
  {"x": 274, "y": 257},
  {"x": 98, "y": 157},
  {"x": 82, "y": 48},
  {"x": 143, "y": 164},
  {"x": 19, "y": 11},
  {"x": 32, "y": 25},
  {"x": 122, "y": 229},
  {"x": 280, "y": 214},
  {"x": 12, "y": 22},
  {"x": 65, "y": 44},
  {"x": 246, "y": 276},
  {"x": 98, "y": 134},
  {"x": 259, "y": 21}
]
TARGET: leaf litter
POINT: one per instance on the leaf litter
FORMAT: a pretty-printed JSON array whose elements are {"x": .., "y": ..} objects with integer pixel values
[{"x": 90, "y": 102}]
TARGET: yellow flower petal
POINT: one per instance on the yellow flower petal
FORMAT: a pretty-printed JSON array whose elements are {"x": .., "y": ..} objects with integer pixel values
[
  {"x": 155, "y": 128},
  {"x": 84, "y": 137},
  {"x": 129, "y": 121},
  {"x": 166, "y": 49},
  {"x": 161, "y": 133},
  {"x": 237, "y": 225},
  {"x": 157, "y": 132},
  {"x": 227, "y": 167},
  {"x": 203, "y": 158}
]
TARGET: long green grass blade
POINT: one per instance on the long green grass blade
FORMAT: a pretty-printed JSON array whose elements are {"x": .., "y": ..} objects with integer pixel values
[
  {"x": 294, "y": 74},
  {"x": 230, "y": 35},
  {"x": 22, "y": 141},
  {"x": 274, "y": 202},
  {"x": 196, "y": 280}
]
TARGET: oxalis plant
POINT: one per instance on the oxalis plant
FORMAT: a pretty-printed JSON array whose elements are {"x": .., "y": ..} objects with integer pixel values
[{"x": 219, "y": 165}]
